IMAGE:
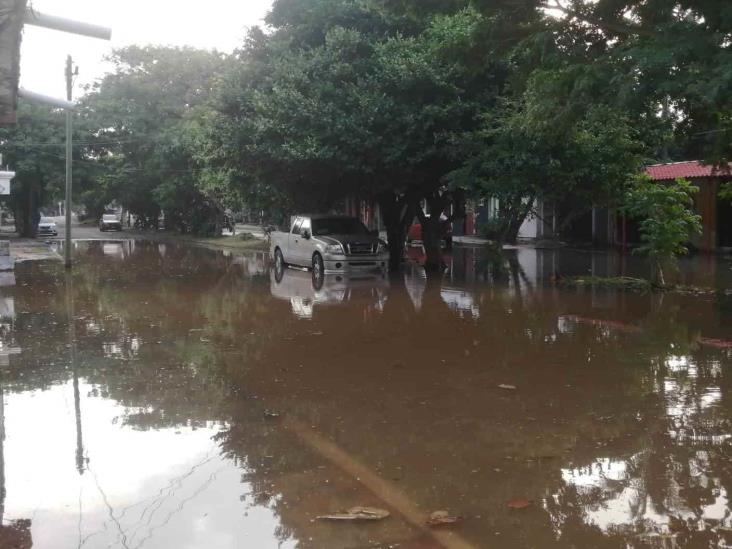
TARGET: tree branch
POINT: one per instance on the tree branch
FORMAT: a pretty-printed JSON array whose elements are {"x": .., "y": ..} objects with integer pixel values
[{"x": 618, "y": 28}]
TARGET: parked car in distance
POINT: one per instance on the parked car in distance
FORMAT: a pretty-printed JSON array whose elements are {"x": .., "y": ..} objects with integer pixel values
[
  {"x": 110, "y": 222},
  {"x": 47, "y": 227},
  {"x": 329, "y": 244}
]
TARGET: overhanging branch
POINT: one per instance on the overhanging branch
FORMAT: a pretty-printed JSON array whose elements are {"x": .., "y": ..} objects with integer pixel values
[{"x": 615, "y": 27}]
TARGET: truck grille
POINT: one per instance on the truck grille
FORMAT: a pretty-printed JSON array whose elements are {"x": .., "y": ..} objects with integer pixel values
[{"x": 361, "y": 248}]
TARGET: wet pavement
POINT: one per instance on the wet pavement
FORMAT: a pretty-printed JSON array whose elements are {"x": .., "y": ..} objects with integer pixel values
[{"x": 197, "y": 399}]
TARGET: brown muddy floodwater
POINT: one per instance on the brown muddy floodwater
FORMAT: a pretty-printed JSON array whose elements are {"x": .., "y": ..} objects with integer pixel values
[{"x": 197, "y": 400}]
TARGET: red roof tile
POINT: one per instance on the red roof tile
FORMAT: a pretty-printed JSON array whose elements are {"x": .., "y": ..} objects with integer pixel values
[{"x": 690, "y": 170}]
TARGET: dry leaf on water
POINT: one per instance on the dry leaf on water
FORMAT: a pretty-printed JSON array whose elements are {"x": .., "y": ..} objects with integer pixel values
[
  {"x": 507, "y": 387},
  {"x": 358, "y": 513},
  {"x": 442, "y": 518},
  {"x": 519, "y": 504}
]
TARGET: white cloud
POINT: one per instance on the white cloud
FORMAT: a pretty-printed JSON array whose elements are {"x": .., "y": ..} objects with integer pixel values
[{"x": 219, "y": 24}]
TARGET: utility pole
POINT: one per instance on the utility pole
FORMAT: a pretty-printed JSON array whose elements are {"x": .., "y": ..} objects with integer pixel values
[{"x": 67, "y": 207}]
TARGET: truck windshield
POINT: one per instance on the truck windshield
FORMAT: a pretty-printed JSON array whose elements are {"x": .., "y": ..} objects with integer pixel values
[{"x": 338, "y": 225}]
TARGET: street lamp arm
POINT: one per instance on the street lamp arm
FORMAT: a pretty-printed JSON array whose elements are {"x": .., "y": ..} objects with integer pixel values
[
  {"x": 45, "y": 99},
  {"x": 54, "y": 22}
]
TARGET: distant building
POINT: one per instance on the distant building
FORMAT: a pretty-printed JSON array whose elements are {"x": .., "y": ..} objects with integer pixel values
[
  {"x": 604, "y": 226},
  {"x": 716, "y": 214}
]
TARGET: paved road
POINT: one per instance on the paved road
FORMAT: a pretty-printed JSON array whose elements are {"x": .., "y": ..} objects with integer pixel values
[{"x": 92, "y": 232}]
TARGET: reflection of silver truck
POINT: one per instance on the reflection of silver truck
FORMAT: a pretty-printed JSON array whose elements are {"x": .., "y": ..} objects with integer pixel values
[
  {"x": 329, "y": 243},
  {"x": 304, "y": 292}
]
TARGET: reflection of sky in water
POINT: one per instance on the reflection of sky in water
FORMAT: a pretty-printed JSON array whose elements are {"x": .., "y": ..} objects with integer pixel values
[
  {"x": 127, "y": 348},
  {"x": 157, "y": 488},
  {"x": 460, "y": 301},
  {"x": 593, "y": 475},
  {"x": 625, "y": 499},
  {"x": 113, "y": 249},
  {"x": 619, "y": 485},
  {"x": 678, "y": 364}
]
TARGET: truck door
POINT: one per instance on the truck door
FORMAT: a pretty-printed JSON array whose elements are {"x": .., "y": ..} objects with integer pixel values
[
  {"x": 306, "y": 244},
  {"x": 294, "y": 253}
]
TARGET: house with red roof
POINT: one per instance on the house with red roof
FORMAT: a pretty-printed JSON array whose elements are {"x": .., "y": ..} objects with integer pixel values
[
  {"x": 716, "y": 213},
  {"x": 607, "y": 227}
]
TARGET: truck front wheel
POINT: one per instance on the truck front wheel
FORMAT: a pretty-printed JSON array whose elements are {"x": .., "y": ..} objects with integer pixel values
[
  {"x": 318, "y": 267},
  {"x": 279, "y": 260}
]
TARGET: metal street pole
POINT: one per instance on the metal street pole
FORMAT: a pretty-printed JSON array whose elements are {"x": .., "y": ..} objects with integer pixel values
[
  {"x": 33, "y": 17},
  {"x": 67, "y": 205}
]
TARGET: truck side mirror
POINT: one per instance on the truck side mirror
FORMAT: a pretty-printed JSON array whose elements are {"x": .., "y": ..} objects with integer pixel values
[{"x": 306, "y": 234}]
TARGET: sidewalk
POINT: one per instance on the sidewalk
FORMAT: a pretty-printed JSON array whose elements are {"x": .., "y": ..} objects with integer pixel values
[
  {"x": 14, "y": 248},
  {"x": 472, "y": 240},
  {"x": 27, "y": 249}
]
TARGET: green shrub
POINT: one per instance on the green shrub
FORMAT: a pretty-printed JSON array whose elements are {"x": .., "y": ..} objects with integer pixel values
[
  {"x": 666, "y": 218},
  {"x": 492, "y": 228}
]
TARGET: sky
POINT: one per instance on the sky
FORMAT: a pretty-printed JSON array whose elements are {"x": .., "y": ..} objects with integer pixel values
[{"x": 212, "y": 24}]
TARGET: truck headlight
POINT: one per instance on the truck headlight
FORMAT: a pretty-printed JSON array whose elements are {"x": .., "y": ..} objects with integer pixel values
[
  {"x": 336, "y": 249},
  {"x": 383, "y": 248}
]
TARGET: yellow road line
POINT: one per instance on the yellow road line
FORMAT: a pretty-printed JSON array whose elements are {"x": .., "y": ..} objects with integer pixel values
[{"x": 384, "y": 490}]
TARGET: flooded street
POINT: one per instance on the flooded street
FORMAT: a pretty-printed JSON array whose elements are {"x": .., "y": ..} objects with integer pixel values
[{"x": 166, "y": 396}]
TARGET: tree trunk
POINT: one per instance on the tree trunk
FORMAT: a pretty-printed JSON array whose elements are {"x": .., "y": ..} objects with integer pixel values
[
  {"x": 660, "y": 277},
  {"x": 397, "y": 213},
  {"x": 512, "y": 230},
  {"x": 27, "y": 214},
  {"x": 432, "y": 231},
  {"x": 432, "y": 240},
  {"x": 515, "y": 215}
]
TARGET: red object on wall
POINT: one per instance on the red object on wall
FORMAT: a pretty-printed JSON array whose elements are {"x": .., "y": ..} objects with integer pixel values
[
  {"x": 470, "y": 224},
  {"x": 415, "y": 232}
]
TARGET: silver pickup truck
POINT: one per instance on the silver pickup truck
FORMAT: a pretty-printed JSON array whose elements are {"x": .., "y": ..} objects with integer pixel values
[{"x": 329, "y": 244}]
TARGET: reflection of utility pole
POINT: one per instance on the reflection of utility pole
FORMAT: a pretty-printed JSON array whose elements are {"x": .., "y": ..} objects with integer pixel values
[
  {"x": 70, "y": 73},
  {"x": 80, "y": 466},
  {"x": 2, "y": 455},
  {"x": 79, "y": 439}
]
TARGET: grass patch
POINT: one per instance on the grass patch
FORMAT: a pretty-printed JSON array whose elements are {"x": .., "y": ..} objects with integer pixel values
[
  {"x": 641, "y": 285},
  {"x": 619, "y": 282},
  {"x": 245, "y": 241}
]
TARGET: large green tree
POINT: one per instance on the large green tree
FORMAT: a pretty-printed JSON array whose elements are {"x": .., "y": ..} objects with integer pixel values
[
  {"x": 34, "y": 149},
  {"x": 146, "y": 113},
  {"x": 666, "y": 63},
  {"x": 349, "y": 105}
]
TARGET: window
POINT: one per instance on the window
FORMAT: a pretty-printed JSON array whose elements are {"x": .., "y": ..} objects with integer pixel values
[
  {"x": 305, "y": 226},
  {"x": 296, "y": 226},
  {"x": 338, "y": 225}
]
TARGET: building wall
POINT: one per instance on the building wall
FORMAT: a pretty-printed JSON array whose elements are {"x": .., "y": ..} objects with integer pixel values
[
  {"x": 530, "y": 227},
  {"x": 705, "y": 203}
]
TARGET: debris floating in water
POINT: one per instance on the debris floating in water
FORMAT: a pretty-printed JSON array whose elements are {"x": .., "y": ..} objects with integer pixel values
[
  {"x": 358, "y": 513},
  {"x": 442, "y": 519},
  {"x": 519, "y": 504}
]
